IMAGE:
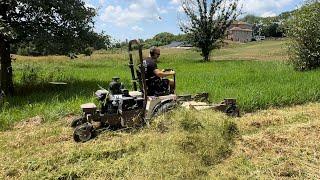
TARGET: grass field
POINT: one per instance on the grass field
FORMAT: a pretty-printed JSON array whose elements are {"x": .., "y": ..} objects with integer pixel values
[
  {"x": 262, "y": 82},
  {"x": 273, "y": 138}
]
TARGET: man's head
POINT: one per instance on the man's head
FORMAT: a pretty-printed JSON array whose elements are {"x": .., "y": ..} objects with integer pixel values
[{"x": 154, "y": 53}]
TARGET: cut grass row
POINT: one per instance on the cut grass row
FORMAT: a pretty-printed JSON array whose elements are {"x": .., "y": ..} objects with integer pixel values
[
  {"x": 275, "y": 143},
  {"x": 182, "y": 145}
]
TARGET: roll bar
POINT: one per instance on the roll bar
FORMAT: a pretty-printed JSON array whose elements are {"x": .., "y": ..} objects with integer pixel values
[{"x": 142, "y": 70}]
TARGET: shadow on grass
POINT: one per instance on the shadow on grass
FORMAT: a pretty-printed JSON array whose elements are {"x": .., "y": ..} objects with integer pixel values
[{"x": 46, "y": 92}]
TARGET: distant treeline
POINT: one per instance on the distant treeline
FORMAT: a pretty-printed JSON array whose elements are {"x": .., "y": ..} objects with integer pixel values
[{"x": 161, "y": 39}]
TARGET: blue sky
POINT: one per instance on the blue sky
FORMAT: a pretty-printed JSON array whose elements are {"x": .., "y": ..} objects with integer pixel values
[{"x": 131, "y": 19}]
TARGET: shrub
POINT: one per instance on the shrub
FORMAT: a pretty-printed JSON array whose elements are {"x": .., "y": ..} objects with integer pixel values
[
  {"x": 23, "y": 51},
  {"x": 304, "y": 34},
  {"x": 30, "y": 75},
  {"x": 88, "y": 51}
]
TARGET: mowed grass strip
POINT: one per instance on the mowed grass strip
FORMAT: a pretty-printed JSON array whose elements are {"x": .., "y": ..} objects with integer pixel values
[
  {"x": 256, "y": 84},
  {"x": 180, "y": 145},
  {"x": 275, "y": 144}
]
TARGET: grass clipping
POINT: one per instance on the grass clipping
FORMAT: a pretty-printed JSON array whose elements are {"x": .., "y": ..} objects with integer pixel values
[{"x": 181, "y": 144}]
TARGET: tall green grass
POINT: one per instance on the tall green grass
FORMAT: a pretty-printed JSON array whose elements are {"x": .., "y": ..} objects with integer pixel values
[{"x": 255, "y": 84}]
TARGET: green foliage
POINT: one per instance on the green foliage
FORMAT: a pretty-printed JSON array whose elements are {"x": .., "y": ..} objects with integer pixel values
[
  {"x": 29, "y": 75},
  {"x": 161, "y": 39},
  {"x": 97, "y": 40},
  {"x": 88, "y": 51},
  {"x": 5, "y": 30},
  {"x": 164, "y": 38},
  {"x": 272, "y": 30},
  {"x": 58, "y": 27},
  {"x": 206, "y": 22},
  {"x": 268, "y": 26},
  {"x": 181, "y": 37},
  {"x": 251, "y": 19},
  {"x": 304, "y": 33},
  {"x": 23, "y": 51},
  {"x": 29, "y": 49},
  {"x": 53, "y": 27}
]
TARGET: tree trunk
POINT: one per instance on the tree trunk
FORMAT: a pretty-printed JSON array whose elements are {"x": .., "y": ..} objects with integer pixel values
[
  {"x": 6, "y": 68},
  {"x": 206, "y": 54}
]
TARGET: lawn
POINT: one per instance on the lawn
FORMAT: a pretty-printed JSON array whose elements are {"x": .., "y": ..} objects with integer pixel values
[{"x": 270, "y": 140}]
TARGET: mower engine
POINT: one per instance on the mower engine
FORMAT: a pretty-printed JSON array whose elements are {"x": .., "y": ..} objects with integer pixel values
[{"x": 117, "y": 109}]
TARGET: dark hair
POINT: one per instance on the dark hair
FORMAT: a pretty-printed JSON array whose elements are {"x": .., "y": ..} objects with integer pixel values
[{"x": 153, "y": 50}]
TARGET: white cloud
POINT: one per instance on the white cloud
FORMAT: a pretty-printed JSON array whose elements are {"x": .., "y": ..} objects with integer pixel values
[
  {"x": 268, "y": 14},
  {"x": 175, "y": 1},
  {"x": 138, "y": 10},
  {"x": 180, "y": 9},
  {"x": 101, "y": 2},
  {"x": 162, "y": 11},
  {"x": 263, "y": 7},
  {"x": 256, "y": 7},
  {"x": 137, "y": 29},
  {"x": 88, "y": 4}
]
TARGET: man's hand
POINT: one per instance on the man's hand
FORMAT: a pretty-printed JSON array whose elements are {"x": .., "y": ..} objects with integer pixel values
[
  {"x": 172, "y": 72},
  {"x": 169, "y": 71},
  {"x": 164, "y": 72}
]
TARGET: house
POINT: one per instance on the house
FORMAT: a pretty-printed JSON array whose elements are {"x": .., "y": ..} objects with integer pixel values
[{"x": 240, "y": 31}]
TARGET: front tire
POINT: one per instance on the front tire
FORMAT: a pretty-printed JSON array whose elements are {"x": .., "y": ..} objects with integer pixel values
[{"x": 83, "y": 132}]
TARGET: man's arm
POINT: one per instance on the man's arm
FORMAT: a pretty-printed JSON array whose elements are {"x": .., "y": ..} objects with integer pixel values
[{"x": 161, "y": 74}]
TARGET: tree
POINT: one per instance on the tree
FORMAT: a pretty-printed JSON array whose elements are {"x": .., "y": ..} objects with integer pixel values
[
  {"x": 206, "y": 27},
  {"x": 304, "y": 35},
  {"x": 97, "y": 40},
  {"x": 251, "y": 19},
  {"x": 272, "y": 30},
  {"x": 55, "y": 24},
  {"x": 164, "y": 38},
  {"x": 180, "y": 37}
]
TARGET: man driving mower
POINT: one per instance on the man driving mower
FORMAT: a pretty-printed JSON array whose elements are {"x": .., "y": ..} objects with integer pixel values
[{"x": 157, "y": 84}]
